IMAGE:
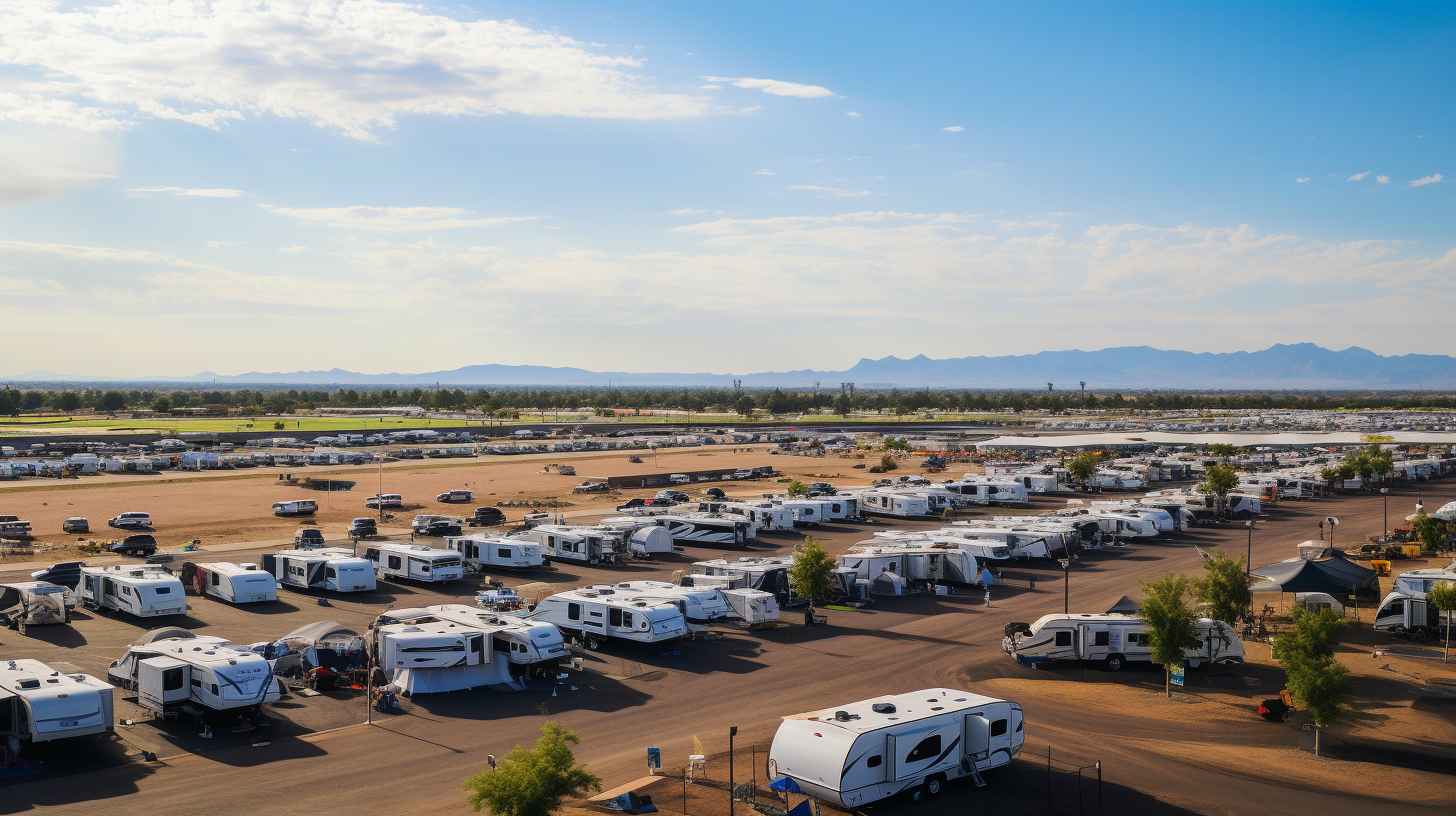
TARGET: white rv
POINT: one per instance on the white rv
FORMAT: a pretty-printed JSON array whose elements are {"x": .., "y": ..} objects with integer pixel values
[
  {"x": 295, "y": 507},
  {"x": 889, "y": 568},
  {"x": 172, "y": 668},
  {"x": 415, "y": 562},
  {"x": 751, "y": 607},
  {"x": 700, "y": 606},
  {"x": 234, "y": 583},
  {"x": 1406, "y": 611},
  {"x": 332, "y": 569},
  {"x": 39, "y": 703},
  {"x": 988, "y": 489},
  {"x": 645, "y": 538},
  {"x": 481, "y": 552},
  {"x": 804, "y": 511},
  {"x": 34, "y": 603},
  {"x": 143, "y": 591},
  {"x": 898, "y": 505},
  {"x": 708, "y": 529},
  {"x": 857, "y": 754},
  {"x": 531, "y": 647},
  {"x": 582, "y": 545},
  {"x": 766, "y": 516},
  {"x": 1112, "y": 640},
  {"x": 1025, "y": 542},
  {"x": 766, "y": 574},
  {"x": 599, "y": 612},
  {"x": 982, "y": 549}
]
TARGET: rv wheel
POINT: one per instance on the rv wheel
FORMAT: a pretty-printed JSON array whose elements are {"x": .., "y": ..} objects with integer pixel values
[
  {"x": 933, "y": 785},
  {"x": 1114, "y": 663}
]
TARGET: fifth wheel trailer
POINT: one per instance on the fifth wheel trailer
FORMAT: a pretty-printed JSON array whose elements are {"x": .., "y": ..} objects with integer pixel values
[
  {"x": 864, "y": 752},
  {"x": 1112, "y": 640}
]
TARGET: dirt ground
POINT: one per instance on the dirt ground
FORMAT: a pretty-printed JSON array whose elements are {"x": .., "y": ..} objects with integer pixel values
[{"x": 1204, "y": 751}]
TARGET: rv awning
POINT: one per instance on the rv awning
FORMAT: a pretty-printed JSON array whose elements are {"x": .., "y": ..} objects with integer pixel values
[
  {"x": 1124, "y": 606},
  {"x": 1337, "y": 576}
]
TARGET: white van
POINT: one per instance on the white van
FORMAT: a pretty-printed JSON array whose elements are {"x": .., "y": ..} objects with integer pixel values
[
  {"x": 679, "y": 479},
  {"x": 131, "y": 521},
  {"x": 299, "y": 507}
]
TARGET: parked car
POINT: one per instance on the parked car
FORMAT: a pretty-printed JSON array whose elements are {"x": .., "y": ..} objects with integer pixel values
[
  {"x": 743, "y": 474},
  {"x": 455, "y": 497},
  {"x": 632, "y": 504},
  {"x": 141, "y": 544},
  {"x": 363, "y": 527},
  {"x": 487, "y": 517},
  {"x": 440, "y": 527},
  {"x": 131, "y": 521},
  {"x": 76, "y": 524},
  {"x": 822, "y": 489},
  {"x": 715, "y": 493},
  {"x": 679, "y": 478},
  {"x": 675, "y": 495},
  {"x": 590, "y": 487},
  {"x": 385, "y": 501},
  {"x": 308, "y": 538},
  {"x": 66, "y": 574}
]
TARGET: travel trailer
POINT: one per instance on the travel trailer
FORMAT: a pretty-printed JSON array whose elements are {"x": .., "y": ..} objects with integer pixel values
[
  {"x": 173, "y": 668},
  {"x": 700, "y": 606},
  {"x": 41, "y": 703},
  {"x": 708, "y": 529},
  {"x": 767, "y": 574},
  {"x": 34, "y": 603},
  {"x": 335, "y": 570},
  {"x": 751, "y": 607},
  {"x": 579, "y": 544},
  {"x": 530, "y": 647},
  {"x": 1025, "y": 542},
  {"x": 982, "y": 549},
  {"x": 482, "y": 552},
  {"x": 600, "y": 612},
  {"x": 1111, "y": 639},
  {"x": 804, "y": 511},
  {"x": 142, "y": 591},
  {"x": 645, "y": 538},
  {"x": 914, "y": 743},
  {"x": 840, "y": 507},
  {"x": 1406, "y": 611},
  {"x": 767, "y": 517},
  {"x": 891, "y": 566},
  {"x": 898, "y": 505},
  {"x": 988, "y": 490},
  {"x": 415, "y": 562},
  {"x": 298, "y": 507},
  {"x": 234, "y": 583}
]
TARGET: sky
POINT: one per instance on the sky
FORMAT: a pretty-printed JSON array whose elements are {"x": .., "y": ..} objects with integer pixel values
[{"x": 236, "y": 186}]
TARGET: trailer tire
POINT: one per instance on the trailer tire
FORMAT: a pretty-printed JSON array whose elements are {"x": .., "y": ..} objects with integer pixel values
[
  {"x": 1113, "y": 663},
  {"x": 934, "y": 785}
]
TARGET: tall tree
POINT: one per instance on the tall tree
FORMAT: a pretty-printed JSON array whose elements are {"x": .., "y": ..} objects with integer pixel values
[
  {"x": 1219, "y": 480},
  {"x": 1224, "y": 588},
  {"x": 809, "y": 575},
  {"x": 1170, "y": 623},
  {"x": 1082, "y": 466},
  {"x": 1317, "y": 681},
  {"x": 533, "y": 781},
  {"x": 1443, "y": 597}
]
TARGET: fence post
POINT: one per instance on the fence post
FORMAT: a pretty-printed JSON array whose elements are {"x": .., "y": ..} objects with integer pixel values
[
  {"x": 1049, "y": 778},
  {"x": 1099, "y": 787}
]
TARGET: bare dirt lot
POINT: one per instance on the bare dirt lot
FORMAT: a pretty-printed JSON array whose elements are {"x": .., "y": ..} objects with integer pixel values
[{"x": 1202, "y": 752}]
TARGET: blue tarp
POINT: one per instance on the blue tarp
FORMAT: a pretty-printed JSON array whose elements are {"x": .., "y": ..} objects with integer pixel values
[
  {"x": 801, "y": 809},
  {"x": 785, "y": 784}
]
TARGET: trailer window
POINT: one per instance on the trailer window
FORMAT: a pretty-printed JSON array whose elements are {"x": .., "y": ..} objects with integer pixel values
[
  {"x": 503, "y": 553},
  {"x": 614, "y": 616},
  {"x": 213, "y": 576},
  {"x": 928, "y": 748},
  {"x": 1064, "y": 638},
  {"x": 330, "y": 572},
  {"x": 998, "y": 728},
  {"x": 873, "y": 762},
  {"x": 1397, "y": 607},
  {"x": 573, "y": 611},
  {"x": 1099, "y": 639},
  {"x": 172, "y": 679}
]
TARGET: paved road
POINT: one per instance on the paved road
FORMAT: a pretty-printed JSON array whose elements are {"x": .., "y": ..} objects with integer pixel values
[{"x": 416, "y": 763}]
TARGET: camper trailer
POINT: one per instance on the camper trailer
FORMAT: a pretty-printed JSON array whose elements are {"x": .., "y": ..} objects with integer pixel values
[
  {"x": 582, "y": 545},
  {"x": 1111, "y": 639},
  {"x": 415, "y": 562},
  {"x": 645, "y": 537},
  {"x": 708, "y": 529},
  {"x": 766, "y": 516},
  {"x": 34, "y": 603},
  {"x": 988, "y": 490},
  {"x": 751, "y": 607},
  {"x": 597, "y": 613},
  {"x": 234, "y": 583},
  {"x": 857, "y": 754},
  {"x": 1406, "y": 611},
  {"x": 482, "y": 552},
  {"x": 1025, "y": 541},
  {"x": 41, "y": 703},
  {"x": 335, "y": 570},
  {"x": 767, "y": 574},
  {"x": 427, "y": 655},
  {"x": 898, "y": 505},
  {"x": 142, "y": 591},
  {"x": 530, "y": 647},
  {"x": 298, "y": 507},
  {"x": 982, "y": 549},
  {"x": 700, "y": 606},
  {"x": 891, "y": 568},
  {"x": 173, "y": 669}
]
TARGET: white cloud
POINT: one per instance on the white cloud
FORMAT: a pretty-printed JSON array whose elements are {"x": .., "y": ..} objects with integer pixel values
[
  {"x": 764, "y": 171},
  {"x": 1360, "y": 176},
  {"x": 354, "y": 66},
  {"x": 954, "y": 128},
  {"x": 693, "y": 212},
  {"x": 854, "y": 114},
  {"x": 1423, "y": 181},
  {"x": 187, "y": 192},
  {"x": 41, "y": 161},
  {"x": 1382, "y": 179},
  {"x": 1302, "y": 180},
  {"x": 773, "y": 87},
  {"x": 829, "y": 191},
  {"x": 394, "y": 219}
]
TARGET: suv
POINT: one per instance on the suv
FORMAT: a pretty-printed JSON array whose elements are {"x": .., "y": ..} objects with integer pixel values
[
  {"x": 435, "y": 526},
  {"x": 487, "y": 517},
  {"x": 66, "y": 574},
  {"x": 309, "y": 538},
  {"x": 676, "y": 496},
  {"x": 679, "y": 479},
  {"x": 821, "y": 489},
  {"x": 455, "y": 497},
  {"x": 137, "y": 545},
  {"x": 590, "y": 487},
  {"x": 131, "y": 521},
  {"x": 363, "y": 527},
  {"x": 76, "y": 524},
  {"x": 631, "y": 504},
  {"x": 385, "y": 501}
]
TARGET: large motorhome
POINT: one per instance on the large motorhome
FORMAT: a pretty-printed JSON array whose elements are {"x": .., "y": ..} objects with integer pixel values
[
  {"x": 39, "y": 703},
  {"x": 890, "y": 567},
  {"x": 1111, "y": 639},
  {"x": 234, "y": 583},
  {"x": 173, "y": 668},
  {"x": 767, "y": 574},
  {"x": 700, "y": 606},
  {"x": 143, "y": 591},
  {"x": 857, "y": 754},
  {"x": 482, "y": 552},
  {"x": 708, "y": 529},
  {"x": 600, "y": 612},
  {"x": 898, "y": 505},
  {"x": 332, "y": 569},
  {"x": 415, "y": 562},
  {"x": 1406, "y": 611},
  {"x": 531, "y": 647},
  {"x": 582, "y": 545}
]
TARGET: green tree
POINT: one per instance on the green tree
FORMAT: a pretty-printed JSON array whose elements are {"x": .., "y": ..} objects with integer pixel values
[
  {"x": 1170, "y": 623},
  {"x": 896, "y": 443},
  {"x": 112, "y": 401},
  {"x": 1224, "y": 588},
  {"x": 797, "y": 488},
  {"x": 842, "y": 405},
  {"x": 1219, "y": 480},
  {"x": 1222, "y": 450},
  {"x": 809, "y": 575},
  {"x": 1443, "y": 597},
  {"x": 1317, "y": 681},
  {"x": 1082, "y": 466},
  {"x": 888, "y": 463},
  {"x": 1430, "y": 530},
  {"x": 744, "y": 405},
  {"x": 533, "y": 781}
]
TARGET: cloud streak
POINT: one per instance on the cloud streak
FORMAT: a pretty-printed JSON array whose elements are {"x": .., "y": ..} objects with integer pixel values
[
  {"x": 187, "y": 192},
  {"x": 394, "y": 219},
  {"x": 773, "y": 87},
  {"x": 828, "y": 191},
  {"x": 1426, "y": 181}
]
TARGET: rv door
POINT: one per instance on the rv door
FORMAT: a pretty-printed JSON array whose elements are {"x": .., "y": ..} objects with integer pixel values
[
  {"x": 976, "y": 736},
  {"x": 162, "y": 680}
]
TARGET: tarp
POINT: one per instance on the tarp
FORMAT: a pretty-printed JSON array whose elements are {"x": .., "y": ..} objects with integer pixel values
[
  {"x": 1337, "y": 576},
  {"x": 455, "y": 678},
  {"x": 785, "y": 784},
  {"x": 1124, "y": 606}
]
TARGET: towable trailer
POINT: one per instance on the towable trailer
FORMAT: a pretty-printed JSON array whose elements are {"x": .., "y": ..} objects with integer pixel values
[
  {"x": 234, "y": 583},
  {"x": 1112, "y": 640},
  {"x": 43, "y": 703},
  {"x": 602, "y": 612},
  {"x": 34, "y": 603},
  {"x": 415, "y": 562},
  {"x": 336, "y": 570},
  {"x": 174, "y": 669},
  {"x": 482, "y": 552},
  {"x": 145, "y": 591}
]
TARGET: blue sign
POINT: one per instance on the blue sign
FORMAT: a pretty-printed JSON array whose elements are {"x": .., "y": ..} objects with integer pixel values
[
  {"x": 654, "y": 759},
  {"x": 1176, "y": 675}
]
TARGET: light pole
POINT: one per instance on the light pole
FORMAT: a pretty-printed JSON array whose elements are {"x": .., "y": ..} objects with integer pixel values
[
  {"x": 1249, "y": 559},
  {"x": 1066, "y": 583},
  {"x": 732, "y": 732},
  {"x": 1385, "y": 511}
]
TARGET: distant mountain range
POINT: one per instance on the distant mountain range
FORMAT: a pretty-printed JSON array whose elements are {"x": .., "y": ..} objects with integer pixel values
[{"x": 1295, "y": 366}]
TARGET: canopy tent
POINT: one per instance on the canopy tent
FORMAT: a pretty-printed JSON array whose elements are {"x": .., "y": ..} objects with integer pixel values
[
  {"x": 1337, "y": 576},
  {"x": 1124, "y": 606},
  {"x": 1447, "y": 512}
]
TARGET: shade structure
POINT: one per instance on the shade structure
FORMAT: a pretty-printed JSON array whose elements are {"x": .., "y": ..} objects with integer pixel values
[{"x": 1335, "y": 575}]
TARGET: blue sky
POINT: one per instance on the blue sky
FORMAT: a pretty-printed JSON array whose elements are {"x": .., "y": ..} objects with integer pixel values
[{"x": 231, "y": 186}]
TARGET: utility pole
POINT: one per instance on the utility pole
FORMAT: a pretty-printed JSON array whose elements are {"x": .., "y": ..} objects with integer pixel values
[
  {"x": 732, "y": 732},
  {"x": 1385, "y": 511},
  {"x": 1249, "y": 559}
]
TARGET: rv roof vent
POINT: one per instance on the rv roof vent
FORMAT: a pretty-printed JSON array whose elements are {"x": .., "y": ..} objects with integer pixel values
[
  {"x": 883, "y": 708},
  {"x": 845, "y": 716},
  {"x": 30, "y": 683}
]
